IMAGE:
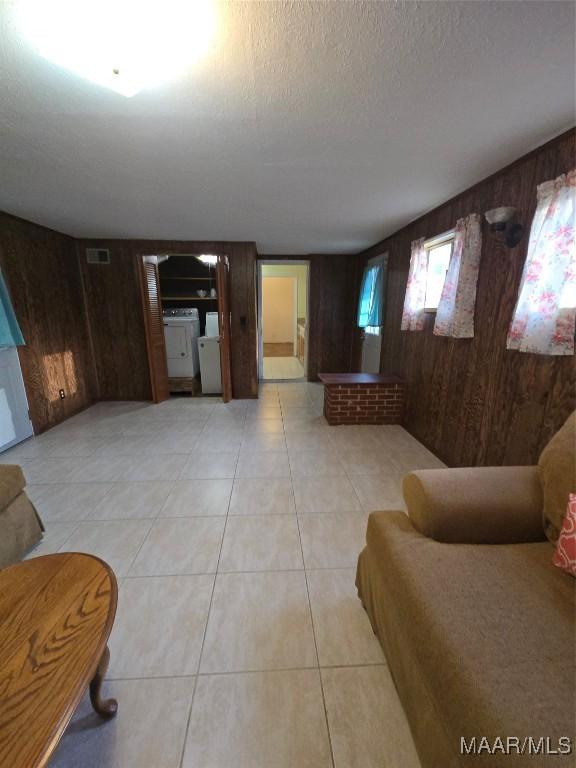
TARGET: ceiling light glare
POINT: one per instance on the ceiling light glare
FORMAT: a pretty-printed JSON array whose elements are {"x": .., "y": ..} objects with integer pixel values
[{"x": 125, "y": 45}]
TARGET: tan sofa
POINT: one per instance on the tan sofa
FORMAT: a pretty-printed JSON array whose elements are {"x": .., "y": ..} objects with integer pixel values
[
  {"x": 476, "y": 622},
  {"x": 20, "y": 525}
]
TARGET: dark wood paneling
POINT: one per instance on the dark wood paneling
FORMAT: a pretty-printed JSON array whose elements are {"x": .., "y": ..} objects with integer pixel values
[
  {"x": 331, "y": 314},
  {"x": 42, "y": 274},
  {"x": 117, "y": 322},
  {"x": 244, "y": 338},
  {"x": 332, "y": 296},
  {"x": 472, "y": 401}
]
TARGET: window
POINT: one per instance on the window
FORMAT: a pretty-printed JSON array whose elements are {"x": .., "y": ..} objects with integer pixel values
[
  {"x": 545, "y": 314},
  {"x": 439, "y": 251},
  {"x": 371, "y": 296}
]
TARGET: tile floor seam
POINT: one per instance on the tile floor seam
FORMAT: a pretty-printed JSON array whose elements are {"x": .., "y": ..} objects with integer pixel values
[
  {"x": 349, "y": 478},
  {"x": 188, "y": 717},
  {"x": 138, "y": 551},
  {"x": 193, "y": 676},
  {"x": 76, "y": 525},
  {"x": 205, "y": 630},
  {"x": 314, "y": 637}
]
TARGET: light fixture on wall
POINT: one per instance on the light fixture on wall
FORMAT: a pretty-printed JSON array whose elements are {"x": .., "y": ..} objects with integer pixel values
[
  {"x": 124, "y": 45},
  {"x": 503, "y": 220}
]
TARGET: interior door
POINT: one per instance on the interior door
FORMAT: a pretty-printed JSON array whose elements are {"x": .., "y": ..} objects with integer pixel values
[
  {"x": 372, "y": 335},
  {"x": 15, "y": 424},
  {"x": 152, "y": 306},
  {"x": 223, "y": 289}
]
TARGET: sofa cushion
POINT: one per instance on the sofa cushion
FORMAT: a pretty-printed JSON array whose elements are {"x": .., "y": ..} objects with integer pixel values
[
  {"x": 479, "y": 638},
  {"x": 11, "y": 483},
  {"x": 557, "y": 468}
]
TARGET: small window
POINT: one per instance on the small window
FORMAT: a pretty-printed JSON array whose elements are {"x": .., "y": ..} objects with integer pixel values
[{"x": 439, "y": 251}]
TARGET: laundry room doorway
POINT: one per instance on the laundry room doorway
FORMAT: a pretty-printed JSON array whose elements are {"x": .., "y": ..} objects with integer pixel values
[{"x": 186, "y": 306}]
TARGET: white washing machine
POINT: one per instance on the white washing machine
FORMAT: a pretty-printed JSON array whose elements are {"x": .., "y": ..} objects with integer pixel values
[
  {"x": 181, "y": 332},
  {"x": 210, "y": 374}
]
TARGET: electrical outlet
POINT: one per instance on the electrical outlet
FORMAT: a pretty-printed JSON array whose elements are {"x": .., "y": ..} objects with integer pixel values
[{"x": 62, "y": 394}]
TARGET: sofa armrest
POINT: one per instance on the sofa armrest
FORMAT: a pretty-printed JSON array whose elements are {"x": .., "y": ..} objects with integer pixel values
[
  {"x": 480, "y": 505},
  {"x": 12, "y": 482}
]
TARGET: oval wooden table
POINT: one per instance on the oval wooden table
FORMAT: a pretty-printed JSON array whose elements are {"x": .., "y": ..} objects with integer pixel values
[{"x": 56, "y": 613}]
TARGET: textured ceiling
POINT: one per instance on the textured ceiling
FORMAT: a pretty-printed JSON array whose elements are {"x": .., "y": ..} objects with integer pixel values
[{"x": 310, "y": 126}]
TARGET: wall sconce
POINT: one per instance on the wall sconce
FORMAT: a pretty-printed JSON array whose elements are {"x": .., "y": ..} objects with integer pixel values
[{"x": 502, "y": 220}]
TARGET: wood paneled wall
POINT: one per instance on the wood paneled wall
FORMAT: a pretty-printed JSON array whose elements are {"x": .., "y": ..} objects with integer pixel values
[
  {"x": 334, "y": 286},
  {"x": 472, "y": 401},
  {"x": 42, "y": 274},
  {"x": 117, "y": 324},
  {"x": 333, "y": 292}
]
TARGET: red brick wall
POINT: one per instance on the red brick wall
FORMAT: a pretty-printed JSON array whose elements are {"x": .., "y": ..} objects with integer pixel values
[{"x": 363, "y": 403}]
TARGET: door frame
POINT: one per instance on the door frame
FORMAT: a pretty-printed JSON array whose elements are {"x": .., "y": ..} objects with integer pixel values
[
  {"x": 382, "y": 258},
  {"x": 159, "y": 392},
  {"x": 10, "y": 362},
  {"x": 224, "y": 336},
  {"x": 223, "y": 310},
  {"x": 260, "y": 345}
]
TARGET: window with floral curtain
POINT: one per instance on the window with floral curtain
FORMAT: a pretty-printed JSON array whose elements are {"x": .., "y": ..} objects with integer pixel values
[
  {"x": 370, "y": 306},
  {"x": 10, "y": 333},
  {"x": 544, "y": 317},
  {"x": 455, "y": 313},
  {"x": 415, "y": 299}
]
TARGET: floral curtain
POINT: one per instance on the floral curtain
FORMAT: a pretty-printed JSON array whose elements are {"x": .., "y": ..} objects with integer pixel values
[
  {"x": 10, "y": 333},
  {"x": 545, "y": 313},
  {"x": 455, "y": 313},
  {"x": 415, "y": 299},
  {"x": 370, "y": 306}
]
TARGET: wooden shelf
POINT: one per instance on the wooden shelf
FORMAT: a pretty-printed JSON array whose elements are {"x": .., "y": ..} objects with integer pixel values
[
  {"x": 189, "y": 298},
  {"x": 171, "y": 277}
]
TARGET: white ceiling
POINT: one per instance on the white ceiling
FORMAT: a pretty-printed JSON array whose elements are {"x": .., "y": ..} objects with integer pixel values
[{"x": 310, "y": 127}]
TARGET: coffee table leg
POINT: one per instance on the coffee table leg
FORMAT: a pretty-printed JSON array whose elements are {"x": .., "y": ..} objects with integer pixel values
[{"x": 106, "y": 708}]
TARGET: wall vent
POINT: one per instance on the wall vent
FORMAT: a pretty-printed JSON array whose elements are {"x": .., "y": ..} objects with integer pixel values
[{"x": 97, "y": 255}]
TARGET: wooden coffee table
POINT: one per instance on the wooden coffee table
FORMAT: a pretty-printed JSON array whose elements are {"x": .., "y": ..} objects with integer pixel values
[{"x": 56, "y": 613}]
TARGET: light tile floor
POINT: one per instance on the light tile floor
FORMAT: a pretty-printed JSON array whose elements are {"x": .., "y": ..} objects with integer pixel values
[
  {"x": 276, "y": 368},
  {"x": 234, "y": 530}
]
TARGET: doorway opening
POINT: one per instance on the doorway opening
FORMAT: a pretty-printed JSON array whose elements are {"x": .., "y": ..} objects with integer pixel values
[
  {"x": 371, "y": 312},
  {"x": 283, "y": 320},
  {"x": 187, "y": 321}
]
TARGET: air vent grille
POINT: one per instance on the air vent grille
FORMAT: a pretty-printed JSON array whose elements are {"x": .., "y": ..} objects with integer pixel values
[{"x": 97, "y": 255}]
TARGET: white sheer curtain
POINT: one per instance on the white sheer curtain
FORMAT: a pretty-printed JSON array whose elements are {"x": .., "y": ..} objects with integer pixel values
[
  {"x": 545, "y": 313},
  {"x": 415, "y": 299},
  {"x": 455, "y": 313}
]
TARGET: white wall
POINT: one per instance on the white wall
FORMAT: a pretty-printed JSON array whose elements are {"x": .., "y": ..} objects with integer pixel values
[
  {"x": 278, "y": 306},
  {"x": 299, "y": 271}
]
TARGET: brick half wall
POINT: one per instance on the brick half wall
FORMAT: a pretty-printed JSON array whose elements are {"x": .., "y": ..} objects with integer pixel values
[{"x": 364, "y": 403}]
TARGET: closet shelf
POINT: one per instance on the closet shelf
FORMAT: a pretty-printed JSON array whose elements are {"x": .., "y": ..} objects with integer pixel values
[
  {"x": 189, "y": 298},
  {"x": 173, "y": 277}
]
